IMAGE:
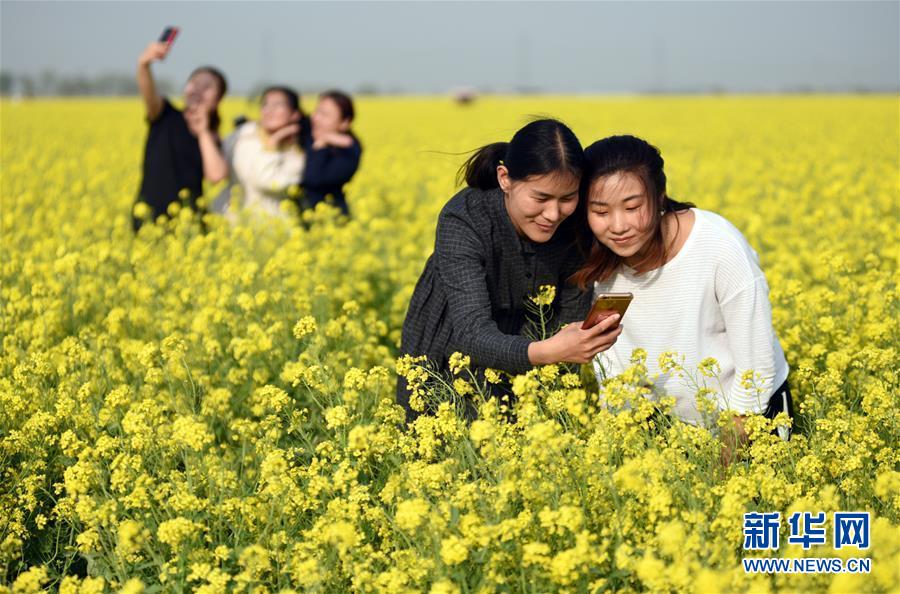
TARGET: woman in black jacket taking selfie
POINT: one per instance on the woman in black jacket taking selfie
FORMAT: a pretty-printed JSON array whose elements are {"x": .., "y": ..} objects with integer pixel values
[
  {"x": 182, "y": 146},
  {"x": 497, "y": 242}
]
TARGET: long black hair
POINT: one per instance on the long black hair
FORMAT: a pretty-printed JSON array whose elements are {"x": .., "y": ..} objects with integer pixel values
[
  {"x": 540, "y": 147},
  {"x": 624, "y": 154}
]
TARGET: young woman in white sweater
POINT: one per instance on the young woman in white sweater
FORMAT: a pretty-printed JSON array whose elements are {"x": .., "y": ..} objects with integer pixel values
[
  {"x": 266, "y": 158},
  {"x": 697, "y": 285}
]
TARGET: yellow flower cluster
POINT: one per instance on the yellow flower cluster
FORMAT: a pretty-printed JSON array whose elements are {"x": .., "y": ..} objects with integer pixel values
[
  {"x": 211, "y": 408},
  {"x": 546, "y": 295}
]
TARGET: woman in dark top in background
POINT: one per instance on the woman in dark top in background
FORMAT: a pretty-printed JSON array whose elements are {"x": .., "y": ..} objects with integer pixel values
[
  {"x": 182, "y": 147},
  {"x": 497, "y": 242},
  {"x": 332, "y": 151}
]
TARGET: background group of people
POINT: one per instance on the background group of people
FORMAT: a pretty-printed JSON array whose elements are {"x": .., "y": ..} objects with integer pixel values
[{"x": 284, "y": 149}]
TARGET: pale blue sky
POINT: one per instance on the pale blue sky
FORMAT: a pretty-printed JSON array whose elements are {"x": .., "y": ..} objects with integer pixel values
[{"x": 433, "y": 46}]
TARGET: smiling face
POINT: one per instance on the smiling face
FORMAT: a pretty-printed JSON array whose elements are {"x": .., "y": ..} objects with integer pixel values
[
  {"x": 538, "y": 204},
  {"x": 620, "y": 214},
  {"x": 276, "y": 111}
]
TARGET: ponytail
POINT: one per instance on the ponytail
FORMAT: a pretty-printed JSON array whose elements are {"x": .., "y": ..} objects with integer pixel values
[
  {"x": 539, "y": 148},
  {"x": 480, "y": 170}
]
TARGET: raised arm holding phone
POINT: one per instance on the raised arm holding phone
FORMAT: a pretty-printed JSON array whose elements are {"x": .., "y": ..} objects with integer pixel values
[{"x": 182, "y": 147}]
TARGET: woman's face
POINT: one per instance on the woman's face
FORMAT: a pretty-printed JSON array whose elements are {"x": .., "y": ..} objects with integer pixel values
[
  {"x": 327, "y": 118},
  {"x": 538, "y": 204},
  {"x": 619, "y": 213},
  {"x": 202, "y": 90},
  {"x": 276, "y": 111}
]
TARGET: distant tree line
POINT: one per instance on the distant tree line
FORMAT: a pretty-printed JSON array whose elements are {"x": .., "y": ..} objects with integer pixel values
[
  {"x": 51, "y": 83},
  {"x": 54, "y": 84}
]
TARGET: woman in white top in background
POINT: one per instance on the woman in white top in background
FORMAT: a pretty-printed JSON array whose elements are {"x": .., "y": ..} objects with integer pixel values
[
  {"x": 697, "y": 284},
  {"x": 265, "y": 158}
]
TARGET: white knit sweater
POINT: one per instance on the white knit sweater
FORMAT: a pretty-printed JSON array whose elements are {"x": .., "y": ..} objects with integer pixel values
[{"x": 710, "y": 300}]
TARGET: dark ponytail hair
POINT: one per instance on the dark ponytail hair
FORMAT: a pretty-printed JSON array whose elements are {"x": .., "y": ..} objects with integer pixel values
[
  {"x": 624, "y": 154},
  {"x": 540, "y": 147},
  {"x": 214, "y": 119}
]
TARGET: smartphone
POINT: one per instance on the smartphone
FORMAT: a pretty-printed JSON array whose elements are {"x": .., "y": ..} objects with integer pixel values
[
  {"x": 605, "y": 305},
  {"x": 168, "y": 35}
]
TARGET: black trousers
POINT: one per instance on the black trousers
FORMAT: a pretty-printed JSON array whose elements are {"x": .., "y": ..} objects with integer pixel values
[{"x": 781, "y": 401}]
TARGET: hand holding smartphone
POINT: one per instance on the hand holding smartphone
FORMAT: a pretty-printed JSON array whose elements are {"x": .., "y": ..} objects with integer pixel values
[
  {"x": 580, "y": 344},
  {"x": 157, "y": 50},
  {"x": 605, "y": 305}
]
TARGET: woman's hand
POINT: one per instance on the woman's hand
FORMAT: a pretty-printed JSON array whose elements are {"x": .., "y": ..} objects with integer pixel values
[
  {"x": 197, "y": 119},
  {"x": 156, "y": 51},
  {"x": 335, "y": 139},
  {"x": 282, "y": 134},
  {"x": 734, "y": 437},
  {"x": 574, "y": 345},
  {"x": 215, "y": 169}
]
